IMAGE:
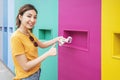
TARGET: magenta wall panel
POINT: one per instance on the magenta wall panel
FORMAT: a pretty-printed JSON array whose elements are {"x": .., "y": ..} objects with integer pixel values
[{"x": 80, "y": 60}]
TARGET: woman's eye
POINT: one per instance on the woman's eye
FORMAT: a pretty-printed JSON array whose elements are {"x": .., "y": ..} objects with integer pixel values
[{"x": 29, "y": 16}]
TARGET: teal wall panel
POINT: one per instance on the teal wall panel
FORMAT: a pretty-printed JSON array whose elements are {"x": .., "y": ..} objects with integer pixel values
[
  {"x": 48, "y": 29},
  {"x": 45, "y": 29}
]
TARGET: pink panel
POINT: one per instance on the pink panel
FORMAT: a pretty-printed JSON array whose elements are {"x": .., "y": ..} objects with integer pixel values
[{"x": 80, "y": 60}]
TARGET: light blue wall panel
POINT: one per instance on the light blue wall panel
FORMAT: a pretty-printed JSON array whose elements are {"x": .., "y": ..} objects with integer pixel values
[
  {"x": 11, "y": 27},
  {"x": 1, "y": 12},
  {"x": 5, "y": 31},
  {"x": 1, "y": 31}
]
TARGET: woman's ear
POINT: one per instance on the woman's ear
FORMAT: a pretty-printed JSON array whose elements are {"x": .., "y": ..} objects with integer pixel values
[{"x": 20, "y": 17}]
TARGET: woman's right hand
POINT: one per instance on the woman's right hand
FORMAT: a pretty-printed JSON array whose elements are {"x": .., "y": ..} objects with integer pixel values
[{"x": 52, "y": 51}]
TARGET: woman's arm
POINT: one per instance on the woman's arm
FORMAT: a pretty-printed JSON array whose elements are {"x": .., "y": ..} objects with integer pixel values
[
  {"x": 27, "y": 65},
  {"x": 49, "y": 43}
]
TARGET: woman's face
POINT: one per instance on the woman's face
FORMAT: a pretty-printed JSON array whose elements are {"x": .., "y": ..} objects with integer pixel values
[{"x": 28, "y": 19}]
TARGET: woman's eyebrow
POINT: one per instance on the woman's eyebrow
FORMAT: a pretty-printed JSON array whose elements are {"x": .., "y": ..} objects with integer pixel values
[{"x": 31, "y": 14}]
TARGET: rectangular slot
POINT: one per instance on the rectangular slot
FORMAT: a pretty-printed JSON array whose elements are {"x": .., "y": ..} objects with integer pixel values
[
  {"x": 0, "y": 28},
  {"x": 5, "y": 29},
  {"x": 45, "y": 34},
  {"x": 116, "y": 45},
  {"x": 79, "y": 39},
  {"x": 10, "y": 29}
]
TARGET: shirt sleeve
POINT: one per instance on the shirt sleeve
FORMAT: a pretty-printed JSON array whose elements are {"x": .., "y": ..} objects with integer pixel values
[{"x": 16, "y": 46}]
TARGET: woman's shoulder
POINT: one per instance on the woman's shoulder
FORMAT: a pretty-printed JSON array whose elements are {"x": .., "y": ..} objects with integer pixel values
[{"x": 15, "y": 34}]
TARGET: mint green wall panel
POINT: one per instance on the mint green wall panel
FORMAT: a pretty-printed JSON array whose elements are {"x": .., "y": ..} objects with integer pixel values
[
  {"x": 45, "y": 29},
  {"x": 48, "y": 29}
]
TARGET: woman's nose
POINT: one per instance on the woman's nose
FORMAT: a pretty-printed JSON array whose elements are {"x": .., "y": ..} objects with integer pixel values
[{"x": 33, "y": 20}]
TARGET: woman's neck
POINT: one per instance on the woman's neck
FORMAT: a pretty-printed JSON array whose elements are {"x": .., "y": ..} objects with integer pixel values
[{"x": 23, "y": 30}]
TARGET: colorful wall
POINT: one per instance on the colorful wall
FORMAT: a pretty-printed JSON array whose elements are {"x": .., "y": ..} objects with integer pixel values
[
  {"x": 93, "y": 25},
  {"x": 48, "y": 29},
  {"x": 1, "y": 26},
  {"x": 45, "y": 29},
  {"x": 10, "y": 29},
  {"x": 110, "y": 39},
  {"x": 80, "y": 60}
]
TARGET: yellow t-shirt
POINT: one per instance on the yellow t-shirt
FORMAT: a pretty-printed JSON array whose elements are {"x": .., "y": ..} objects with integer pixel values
[{"x": 21, "y": 44}]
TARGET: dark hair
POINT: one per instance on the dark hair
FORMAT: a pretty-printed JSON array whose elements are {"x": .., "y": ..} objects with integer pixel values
[{"x": 22, "y": 10}]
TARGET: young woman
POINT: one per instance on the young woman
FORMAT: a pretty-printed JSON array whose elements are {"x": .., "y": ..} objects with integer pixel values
[{"x": 25, "y": 45}]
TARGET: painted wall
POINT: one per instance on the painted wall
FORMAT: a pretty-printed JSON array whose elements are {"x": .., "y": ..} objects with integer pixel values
[
  {"x": 1, "y": 12},
  {"x": 45, "y": 29},
  {"x": 110, "y": 39},
  {"x": 1, "y": 27},
  {"x": 5, "y": 32},
  {"x": 48, "y": 29},
  {"x": 11, "y": 26},
  {"x": 80, "y": 60},
  {"x": 81, "y": 19}
]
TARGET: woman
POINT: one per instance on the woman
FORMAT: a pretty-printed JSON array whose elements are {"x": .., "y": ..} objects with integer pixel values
[{"x": 25, "y": 45}]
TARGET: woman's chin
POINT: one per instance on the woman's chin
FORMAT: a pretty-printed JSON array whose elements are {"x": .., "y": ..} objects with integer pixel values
[{"x": 30, "y": 27}]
